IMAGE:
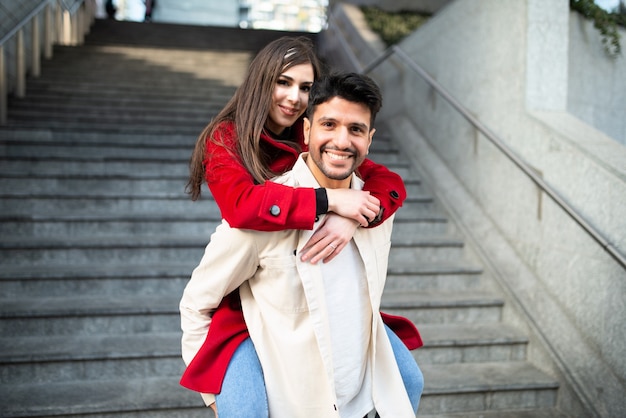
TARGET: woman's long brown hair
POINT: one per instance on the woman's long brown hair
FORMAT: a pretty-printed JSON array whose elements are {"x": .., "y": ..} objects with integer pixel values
[{"x": 249, "y": 109}]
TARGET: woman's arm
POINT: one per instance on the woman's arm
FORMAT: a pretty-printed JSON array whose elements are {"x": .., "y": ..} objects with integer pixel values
[
  {"x": 332, "y": 236},
  {"x": 245, "y": 204},
  {"x": 271, "y": 206},
  {"x": 385, "y": 185}
]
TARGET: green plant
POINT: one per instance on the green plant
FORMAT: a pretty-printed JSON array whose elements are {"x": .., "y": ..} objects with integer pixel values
[
  {"x": 392, "y": 27},
  {"x": 605, "y": 22}
]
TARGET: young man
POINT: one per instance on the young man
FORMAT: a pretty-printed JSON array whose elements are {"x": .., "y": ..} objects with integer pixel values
[{"x": 322, "y": 346}]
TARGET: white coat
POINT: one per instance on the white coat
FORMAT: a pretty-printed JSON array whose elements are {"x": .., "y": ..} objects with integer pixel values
[{"x": 284, "y": 307}]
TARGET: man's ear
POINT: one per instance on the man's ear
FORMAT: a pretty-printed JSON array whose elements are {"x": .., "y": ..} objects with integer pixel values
[
  {"x": 307, "y": 130},
  {"x": 371, "y": 137}
]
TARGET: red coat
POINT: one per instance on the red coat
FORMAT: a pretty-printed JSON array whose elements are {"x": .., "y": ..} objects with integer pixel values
[{"x": 245, "y": 204}]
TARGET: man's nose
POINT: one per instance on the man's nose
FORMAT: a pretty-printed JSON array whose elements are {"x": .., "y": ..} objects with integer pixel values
[{"x": 342, "y": 139}]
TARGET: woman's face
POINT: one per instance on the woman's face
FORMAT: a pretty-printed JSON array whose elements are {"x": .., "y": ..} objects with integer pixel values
[{"x": 290, "y": 97}]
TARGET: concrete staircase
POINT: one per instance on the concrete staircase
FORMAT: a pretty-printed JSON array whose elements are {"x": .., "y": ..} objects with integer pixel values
[{"x": 98, "y": 240}]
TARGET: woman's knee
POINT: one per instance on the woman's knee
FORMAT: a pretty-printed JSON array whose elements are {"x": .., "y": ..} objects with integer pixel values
[
  {"x": 412, "y": 376},
  {"x": 243, "y": 389}
]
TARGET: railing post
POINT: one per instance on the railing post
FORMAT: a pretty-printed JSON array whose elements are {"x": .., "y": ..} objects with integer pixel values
[
  {"x": 80, "y": 24},
  {"x": 36, "y": 47},
  {"x": 73, "y": 28},
  {"x": 48, "y": 32},
  {"x": 20, "y": 65},
  {"x": 3, "y": 88},
  {"x": 60, "y": 26}
]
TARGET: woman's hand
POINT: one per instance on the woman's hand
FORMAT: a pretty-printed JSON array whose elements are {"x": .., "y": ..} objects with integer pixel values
[
  {"x": 358, "y": 205},
  {"x": 329, "y": 239}
]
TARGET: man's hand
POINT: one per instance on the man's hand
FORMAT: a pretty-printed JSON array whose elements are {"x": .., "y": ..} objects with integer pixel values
[{"x": 329, "y": 239}]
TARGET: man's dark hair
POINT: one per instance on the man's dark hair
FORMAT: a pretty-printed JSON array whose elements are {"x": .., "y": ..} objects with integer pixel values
[{"x": 353, "y": 87}]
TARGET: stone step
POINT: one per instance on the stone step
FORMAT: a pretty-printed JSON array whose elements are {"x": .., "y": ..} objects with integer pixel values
[
  {"x": 493, "y": 388},
  {"x": 416, "y": 249},
  {"x": 155, "y": 397},
  {"x": 201, "y": 221},
  {"x": 59, "y": 359},
  {"x": 149, "y": 199},
  {"x": 177, "y": 248},
  {"x": 161, "y": 71},
  {"x": 43, "y": 91},
  {"x": 131, "y": 186},
  {"x": 485, "y": 387},
  {"x": 135, "y": 312},
  {"x": 508, "y": 413},
  {"x": 95, "y": 185},
  {"x": 167, "y": 279},
  {"x": 434, "y": 276},
  {"x": 73, "y": 316},
  {"x": 175, "y": 128},
  {"x": 93, "y": 281},
  {"x": 71, "y": 109},
  {"x": 115, "y": 161},
  {"x": 470, "y": 343},
  {"x": 444, "y": 307},
  {"x": 132, "y": 199},
  {"x": 101, "y": 357},
  {"x": 61, "y": 118},
  {"x": 27, "y": 141}
]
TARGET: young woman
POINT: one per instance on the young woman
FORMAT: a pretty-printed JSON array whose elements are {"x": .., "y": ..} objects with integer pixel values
[{"x": 257, "y": 136}]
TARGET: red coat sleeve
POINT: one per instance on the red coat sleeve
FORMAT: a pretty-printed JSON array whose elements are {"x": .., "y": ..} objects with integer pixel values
[
  {"x": 244, "y": 204},
  {"x": 385, "y": 185}
]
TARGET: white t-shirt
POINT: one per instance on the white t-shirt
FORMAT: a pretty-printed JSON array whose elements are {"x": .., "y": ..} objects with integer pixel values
[{"x": 350, "y": 317}]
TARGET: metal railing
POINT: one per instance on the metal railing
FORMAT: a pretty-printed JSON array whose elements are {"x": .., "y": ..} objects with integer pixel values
[
  {"x": 62, "y": 24},
  {"x": 597, "y": 236}
]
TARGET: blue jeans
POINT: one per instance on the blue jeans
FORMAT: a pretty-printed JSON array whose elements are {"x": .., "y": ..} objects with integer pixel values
[
  {"x": 409, "y": 370},
  {"x": 243, "y": 390}
]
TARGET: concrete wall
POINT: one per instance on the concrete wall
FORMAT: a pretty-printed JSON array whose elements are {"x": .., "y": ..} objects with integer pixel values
[
  {"x": 509, "y": 63},
  {"x": 422, "y": 6},
  {"x": 597, "y": 84}
]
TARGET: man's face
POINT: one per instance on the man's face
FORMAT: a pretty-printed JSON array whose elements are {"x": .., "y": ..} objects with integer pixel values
[{"x": 338, "y": 137}]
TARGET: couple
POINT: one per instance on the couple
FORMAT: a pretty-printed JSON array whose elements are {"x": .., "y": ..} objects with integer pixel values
[{"x": 322, "y": 346}]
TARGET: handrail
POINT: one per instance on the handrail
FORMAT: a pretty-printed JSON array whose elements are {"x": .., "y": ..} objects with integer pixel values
[
  {"x": 72, "y": 30},
  {"x": 520, "y": 163},
  {"x": 24, "y": 21},
  {"x": 73, "y": 8}
]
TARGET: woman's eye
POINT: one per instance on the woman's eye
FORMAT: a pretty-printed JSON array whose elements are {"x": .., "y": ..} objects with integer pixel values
[
  {"x": 283, "y": 82},
  {"x": 306, "y": 89}
]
